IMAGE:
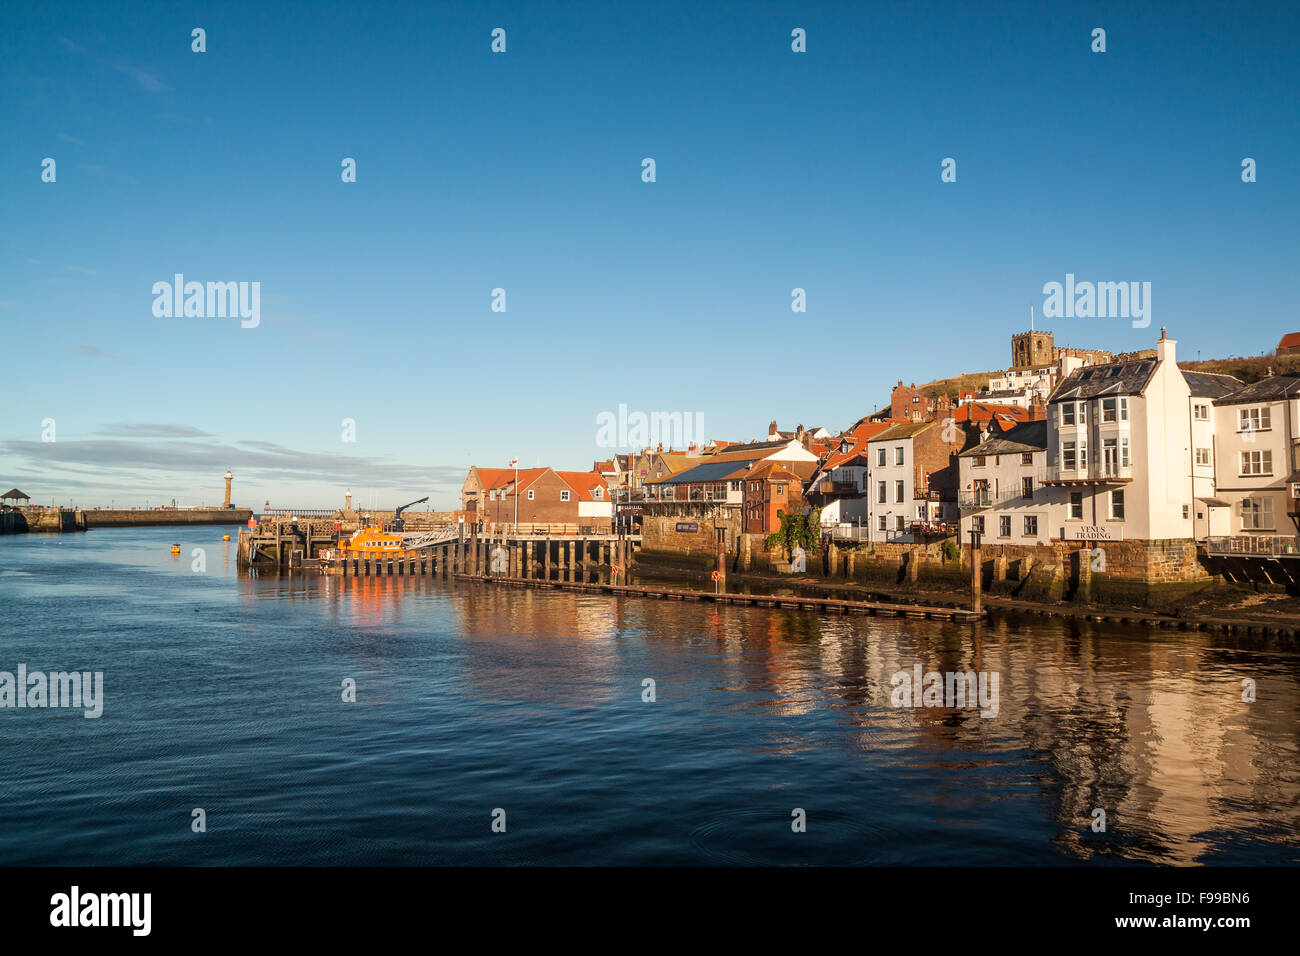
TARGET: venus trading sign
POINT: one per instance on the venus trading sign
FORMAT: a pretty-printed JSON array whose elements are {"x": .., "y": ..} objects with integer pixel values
[
  {"x": 1094, "y": 532},
  {"x": 687, "y": 527}
]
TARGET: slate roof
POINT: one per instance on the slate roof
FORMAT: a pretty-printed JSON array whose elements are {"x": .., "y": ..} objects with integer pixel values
[
  {"x": 1113, "y": 378},
  {"x": 710, "y": 471},
  {"x": 1027, "y": 436},
  {"x": 1211, "y": 384},
  {"x": 1275, "y": 388},
  {"x": 900, "y": 431},
  {"x": 758, "y": 446}
]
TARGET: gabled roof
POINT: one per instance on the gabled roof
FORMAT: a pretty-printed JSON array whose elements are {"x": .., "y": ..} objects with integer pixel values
[
  {"x": 895, "y": 432},
  {"x": 1027, "y": 436},
  {"x": 713, "y": 470},
  {"x": 728, "y": 468},
  {"x": 504, "y": 478},
  {"x": 1289, "y": 341},
  {"x": 758, "y": 446},
  {"x": 774, "y": 470},
  {"x": 1112, "y": 378},
  {"x": 980, "y": 412},
  {"x": 15, "y": 493},
  {"x": 583, "y": 482},
  {"x": 857, "y": 440},
  {"x": 1211, "y": 384},
  {"x": 1275, "y": 388}
]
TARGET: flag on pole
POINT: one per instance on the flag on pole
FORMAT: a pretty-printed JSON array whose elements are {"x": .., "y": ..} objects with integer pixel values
[{"x": 513, "y": 462}]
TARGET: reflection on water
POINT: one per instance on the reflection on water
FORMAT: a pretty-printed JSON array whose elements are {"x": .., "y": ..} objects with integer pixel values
[{"x": 222, "y": 691}]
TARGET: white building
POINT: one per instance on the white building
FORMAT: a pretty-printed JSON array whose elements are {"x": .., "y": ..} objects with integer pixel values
[
  {"x": 1002, "y": 494},
  {"x": 1257, "y": 459},
  {"x": 1127, "y": 452},
  {"x": 911, "y": 480},
  {"x": 1121, "y": 448}
]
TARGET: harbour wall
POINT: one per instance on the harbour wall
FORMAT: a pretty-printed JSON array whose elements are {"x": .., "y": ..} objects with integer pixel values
[
  {"x": 1157, "y": 573},
  {"x": 54, "y": 520},
  {"x": 122, "y": 517}
]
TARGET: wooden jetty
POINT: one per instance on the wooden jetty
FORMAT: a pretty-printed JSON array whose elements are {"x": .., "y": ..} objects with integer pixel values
[
  {"x": 300, "y": 545},
  {"x": 821, "y": 605}
]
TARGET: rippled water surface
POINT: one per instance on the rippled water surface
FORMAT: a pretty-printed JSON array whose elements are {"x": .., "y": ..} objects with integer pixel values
[{"x": 224, "y": 692}]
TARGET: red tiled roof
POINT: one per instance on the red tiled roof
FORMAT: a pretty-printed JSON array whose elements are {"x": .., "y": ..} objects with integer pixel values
[
  {"x": 1290, "y": 340},
  {"x": 497, "y": 478},
  {"x": 858, "y": 439},
  {"x": 772, "y": 469},
  {"x": 981, "y": 412},
  {"x": 583, "y": 482}
]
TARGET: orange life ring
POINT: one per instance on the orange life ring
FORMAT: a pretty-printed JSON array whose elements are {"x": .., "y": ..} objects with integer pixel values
[{"x": 716, "y": 576}]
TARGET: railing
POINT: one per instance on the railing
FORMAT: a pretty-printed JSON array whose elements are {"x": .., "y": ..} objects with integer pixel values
[
  {"x": 1257, "y": 545},
  {"x": 839, "y": 487},
  {"x": 1094, "y": 472},
  {"x": 933, "y": 529},
  {"x": 973, "y": 499},
  {"x": 297, "y": 513},
  {"x": 850, "y": 532}
]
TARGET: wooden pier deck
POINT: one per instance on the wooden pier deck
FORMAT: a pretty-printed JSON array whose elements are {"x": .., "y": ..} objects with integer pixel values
[{"x": 821, "y": 605}]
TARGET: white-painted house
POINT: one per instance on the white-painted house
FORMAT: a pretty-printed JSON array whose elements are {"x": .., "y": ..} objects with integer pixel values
[
  {"x": 1257, "y": 458},
  {"x": 1122, "y": 449},
  {"x": 1002, "y": 494}
]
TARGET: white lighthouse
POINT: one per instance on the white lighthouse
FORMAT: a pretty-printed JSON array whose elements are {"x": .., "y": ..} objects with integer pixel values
[{"x": 226, "y": 503}]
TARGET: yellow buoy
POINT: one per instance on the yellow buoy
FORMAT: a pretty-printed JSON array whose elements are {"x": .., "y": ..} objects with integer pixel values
[
  {"x": 176, "y": 549},
  {"x": 225, "y": 537}
]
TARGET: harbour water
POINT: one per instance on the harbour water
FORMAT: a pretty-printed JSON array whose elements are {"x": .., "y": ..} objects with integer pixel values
[{"x": 225, "y": 692}]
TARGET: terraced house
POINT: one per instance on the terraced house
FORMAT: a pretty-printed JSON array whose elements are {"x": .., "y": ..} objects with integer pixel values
[
  {"x": 1002, "y": 494},
  {"x": 1257, "y": 460},
  {"x": 1121, "y": 451},
  {"x": 1126, "y": 454},
  {"x": 912, "y": 480}
]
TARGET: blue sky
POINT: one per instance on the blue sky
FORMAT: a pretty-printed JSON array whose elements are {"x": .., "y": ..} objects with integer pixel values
[{"x": 522, "y": 171}]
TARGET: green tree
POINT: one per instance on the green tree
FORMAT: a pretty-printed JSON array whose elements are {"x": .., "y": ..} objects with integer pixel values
[{"x": 804, "y": 530}]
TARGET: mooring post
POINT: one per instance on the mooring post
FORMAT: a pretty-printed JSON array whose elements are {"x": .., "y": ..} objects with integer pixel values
[
  {"x": 722, "y": 559},
  {"x": 976, "y": 573}
]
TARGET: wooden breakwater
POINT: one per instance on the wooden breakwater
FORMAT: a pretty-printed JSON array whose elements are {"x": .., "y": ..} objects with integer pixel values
[
  {"x": 794, "y": 602},
  {"x": 293, "y": 544}
]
